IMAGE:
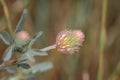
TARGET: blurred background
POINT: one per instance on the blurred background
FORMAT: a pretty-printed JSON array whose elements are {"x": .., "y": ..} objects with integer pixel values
[{"x": 53, "y": 16}]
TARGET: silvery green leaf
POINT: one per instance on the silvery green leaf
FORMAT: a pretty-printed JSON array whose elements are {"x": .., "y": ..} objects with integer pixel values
[
  {"x": 26, "y": 56},
  {"x": 7, "y": 54},
  {"x": 5, "y": 37},
  {"x": 10, "y": 69},
  {"x": 29, "y": 57},
  {"x": 24, "y": 65},
  {"x": 21, "y": 21},
  {"x": 37, "y": 35},
  {"x": 22, "y": 58},
  {"x": 48, "y": 48},
  {"x": 34, "y": 38},
  {"x": 41, "y": 67},
  {"x": 30, "y": 77},
  {"x": 38, "y": 52}
]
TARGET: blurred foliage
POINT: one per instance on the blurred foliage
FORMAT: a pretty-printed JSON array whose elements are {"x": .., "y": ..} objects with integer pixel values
[{"x": 52, "y": 16}]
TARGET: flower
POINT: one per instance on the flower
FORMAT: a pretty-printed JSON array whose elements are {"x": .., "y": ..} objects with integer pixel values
[
  {"x": 21, "y": 38},
  {"x": 23, "y": 35},
  {"x": 69, "y": 41}
]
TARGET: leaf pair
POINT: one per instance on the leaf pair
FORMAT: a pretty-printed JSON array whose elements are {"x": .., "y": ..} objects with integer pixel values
[
  {"x": 39, "y": 67},
  {"x": 29, "y": 55},
  {"x": 6, "y": 38},
  {"x": 34, "y": 38}
]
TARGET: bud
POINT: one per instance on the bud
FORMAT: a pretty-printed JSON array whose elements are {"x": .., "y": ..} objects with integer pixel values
[
  {"x": 69, "y": 41},
  {"x": 21, "y": 38}
]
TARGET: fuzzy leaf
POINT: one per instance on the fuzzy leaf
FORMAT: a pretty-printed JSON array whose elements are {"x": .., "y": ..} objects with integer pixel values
[
  {"x": 31, "y": 58},
  {"x": 8, "y": 54},
  {"x": 42, "y": 67},
  {"x": 34, "y": 38},
  {"x": 24, "y": 65},
  {"x": 30, "y": 77},
  {"x": 10, "y": 69},
  {"x": 21, "y": 21},
  {"x": 38, "y": 52},
  {"x": 5, "y": 37},
  {"x": 28, "y": 56}
]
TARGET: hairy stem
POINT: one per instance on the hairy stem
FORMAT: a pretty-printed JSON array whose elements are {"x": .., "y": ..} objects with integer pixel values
[
  {"x": 115, "y": 73},
  {"x": 5, "y": 8},
  {"x": 48, "y": 48},
  {"x": 102, "y": 41}
]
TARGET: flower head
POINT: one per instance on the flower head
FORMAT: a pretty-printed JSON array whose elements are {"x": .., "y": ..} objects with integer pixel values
[
  {"x": 23, "y": 35},
  {"x": 69, "y": 41},
  {"x": 21, "y": 38}
]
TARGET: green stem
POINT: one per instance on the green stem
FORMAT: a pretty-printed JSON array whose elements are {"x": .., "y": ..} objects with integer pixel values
[
  {"x": 5, "y": 8},
  {"x": 49, "y": 48},
  {"x": 102, "y": 41},
  {"x": 115, "y": 73}
]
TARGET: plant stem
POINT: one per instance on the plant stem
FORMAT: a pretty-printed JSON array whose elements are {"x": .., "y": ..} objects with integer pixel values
[
  {"x": 5, "y": 8},
  {"x": 48, "y": 48},
  {"x": 2, "y": 66},
  {"x": 102, "y": 41},
  {"x": 115, "y": 73}
]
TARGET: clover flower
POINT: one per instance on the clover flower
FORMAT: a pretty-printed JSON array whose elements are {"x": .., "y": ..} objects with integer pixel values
[
  {"x": 22, "y": 38},
  {"x": 22, "y": 35},
  {"x": 69, "y": 41}
]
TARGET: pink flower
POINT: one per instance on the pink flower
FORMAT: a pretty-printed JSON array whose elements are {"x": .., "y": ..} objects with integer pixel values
[
  {"x": 69, "y": 41},
  {"x": 23, "y": 35},
  {"x": 21, "y": 38}
]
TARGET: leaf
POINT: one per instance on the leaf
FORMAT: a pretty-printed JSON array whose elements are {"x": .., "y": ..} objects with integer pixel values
[
  {"x": 21, "y": 21},
  {"x": 26, "y": 56},
  {"x": 5, "y": 37},
  {"x": 24, "y": 65},
  {"x": 7, "y": 54},
  {"x": 34, "y": 38},
  {"x": 38, "y": 52},
  {"x": 29, "y": 56},
  {"x": 29, "y": 77},
  {"x": 41, "y": 67},
  {"x": 10, "y": 69}
]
